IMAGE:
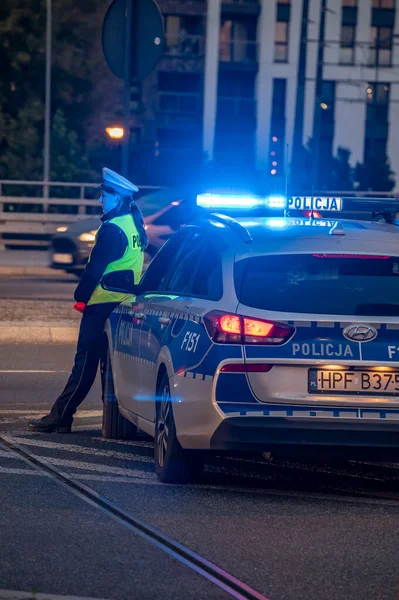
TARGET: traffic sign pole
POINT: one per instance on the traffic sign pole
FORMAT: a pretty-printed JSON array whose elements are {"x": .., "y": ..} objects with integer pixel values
[
  {"x": 127, "y": 72},
  {"x": 132, "y": 40}
]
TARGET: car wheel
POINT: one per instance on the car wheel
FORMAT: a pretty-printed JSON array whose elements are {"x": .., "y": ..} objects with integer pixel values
[
  {"x": 115, "y": 427},
  {"x": 173, "y": 464}
]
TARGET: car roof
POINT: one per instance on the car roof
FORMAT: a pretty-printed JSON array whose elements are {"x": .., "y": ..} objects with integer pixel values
[
  {"x": 279, "y": 234},
  {"x": 265, "y": 228}
]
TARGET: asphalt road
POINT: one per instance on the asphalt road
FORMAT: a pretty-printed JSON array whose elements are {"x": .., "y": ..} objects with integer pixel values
[
  {"x": 289, "y": 529},
  {"x": 59, "y": 286}
]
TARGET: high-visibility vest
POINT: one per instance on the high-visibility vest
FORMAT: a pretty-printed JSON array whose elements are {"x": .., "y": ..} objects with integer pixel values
[{"x": 132, "y": 260}]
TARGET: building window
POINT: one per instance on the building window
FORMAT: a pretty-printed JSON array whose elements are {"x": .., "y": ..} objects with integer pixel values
[
  {"x": 380, "y": 46},
  {"x": 179, "y": 93},
  {"x": 277, "y": 132},
  {"x": 383, "y": 3},
  {"x": 236, "y": 100},
  {"x": 377, "y": 102},
  {"x": 347, "y": 48},
  {"x": 184, "y": 36},
  {"x": 349, "y": 3},
  {"x": 327, "y": 102},
  {"x": 237, "y": 41},
  {"x": 327, "y": 123},
  {"x": 376, "y": 120},
  {"x": 281, "y": 41}
]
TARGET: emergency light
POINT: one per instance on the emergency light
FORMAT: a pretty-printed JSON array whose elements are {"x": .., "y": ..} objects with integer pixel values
[
  {"x": 313, "y": 207},
  {"x": 357, "y": 207},
  {"x": 240, "y": 201}
]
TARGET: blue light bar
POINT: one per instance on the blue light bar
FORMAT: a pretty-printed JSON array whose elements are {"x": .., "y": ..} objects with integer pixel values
[
  {"x": 238, "y": 201},
  {"x": 279, "y": 202},
  {"x": 277, "y": 223}
]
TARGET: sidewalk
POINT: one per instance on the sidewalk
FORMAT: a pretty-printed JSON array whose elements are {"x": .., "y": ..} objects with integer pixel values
[
  {"x": 43, "y": 322},
  {"x": 32, "y": 321},
  {"x": 24, "y": 262}
]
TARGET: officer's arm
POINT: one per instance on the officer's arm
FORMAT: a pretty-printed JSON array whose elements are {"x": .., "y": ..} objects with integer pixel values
[{"x": 111, "y": 245}]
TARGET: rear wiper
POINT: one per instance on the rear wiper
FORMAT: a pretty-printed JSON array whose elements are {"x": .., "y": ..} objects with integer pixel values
[{"x": 378, "y": 310}]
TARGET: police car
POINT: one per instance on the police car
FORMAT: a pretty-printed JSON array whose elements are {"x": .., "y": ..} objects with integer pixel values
[{"x": 253, "y": 333}]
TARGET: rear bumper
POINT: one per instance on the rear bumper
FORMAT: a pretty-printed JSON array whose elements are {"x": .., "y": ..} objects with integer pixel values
[{"x": 262, "y": 433}]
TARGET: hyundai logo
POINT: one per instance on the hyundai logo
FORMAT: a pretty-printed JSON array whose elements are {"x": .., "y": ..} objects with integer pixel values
[{"x": 360, "y": 333}]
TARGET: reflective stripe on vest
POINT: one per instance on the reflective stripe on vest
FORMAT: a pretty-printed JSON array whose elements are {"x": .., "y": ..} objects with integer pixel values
[{"x": 133, "y": 260}]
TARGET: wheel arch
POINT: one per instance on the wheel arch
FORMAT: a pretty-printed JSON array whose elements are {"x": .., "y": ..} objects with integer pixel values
[
  {"x": 164, "y": 362},
  {"x": 162, "y": 371}
]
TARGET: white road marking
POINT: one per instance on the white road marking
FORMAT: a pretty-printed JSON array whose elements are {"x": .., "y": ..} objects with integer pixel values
[
  {"x": 15, "y": 595},
  {"x": 82, "y": 414},
  {"x": 86, "y": 466},
  {"x": 81, "y": 449},
  {"x": 6, "y": 454},
  {"x": 29, "y": 371},
  {"x": 143, "y": 478},
  {"x": 105, "y": 478},
  {"x": 13, "y": 471},
  {"x": 81, "y": 477},
  {"x": 143, "y": 443}
]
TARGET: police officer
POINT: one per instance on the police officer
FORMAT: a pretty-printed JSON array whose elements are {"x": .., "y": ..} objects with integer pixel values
[{"x": 120, "y": 244}]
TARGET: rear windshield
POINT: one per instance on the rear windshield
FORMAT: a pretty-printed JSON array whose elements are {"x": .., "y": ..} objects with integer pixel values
[{"x": 320, "y": 284}]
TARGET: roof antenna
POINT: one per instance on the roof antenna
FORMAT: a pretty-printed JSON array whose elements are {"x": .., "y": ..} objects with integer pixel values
[
  {"x": 286, "y": 176},
  {"x": 312, "y": 203}
]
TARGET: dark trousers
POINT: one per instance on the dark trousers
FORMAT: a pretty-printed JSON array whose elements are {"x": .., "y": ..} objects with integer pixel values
[{"x": 88, "y": 353}]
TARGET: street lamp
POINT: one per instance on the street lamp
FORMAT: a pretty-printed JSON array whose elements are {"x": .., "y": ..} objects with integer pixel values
[
  {"x": 115, "y": 133},
  {"x": 47, "y": 102}
]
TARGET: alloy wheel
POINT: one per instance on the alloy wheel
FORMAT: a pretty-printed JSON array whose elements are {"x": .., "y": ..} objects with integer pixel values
[{"x": 163, "y": 426}]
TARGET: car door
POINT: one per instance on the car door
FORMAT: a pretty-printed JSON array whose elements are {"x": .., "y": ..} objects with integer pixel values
[
  {"x": 157, "y": 321},
  {"x": 173, "y": 311},
  {"x": 126, "y": 367}
]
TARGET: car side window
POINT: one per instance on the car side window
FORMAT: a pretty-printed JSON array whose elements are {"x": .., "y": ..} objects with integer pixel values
[
  {"x": 199, "y": 271},
  {"x": 208, "y": 279},
  {"x": 164, "y": 263},
  {"x": 180, "y": 282}
]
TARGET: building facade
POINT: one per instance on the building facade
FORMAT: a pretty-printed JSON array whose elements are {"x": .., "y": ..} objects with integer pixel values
[{"x": 243, "y": 82}]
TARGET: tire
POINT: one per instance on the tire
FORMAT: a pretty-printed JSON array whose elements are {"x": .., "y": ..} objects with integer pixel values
[
  {"x": 115, "y": 427},
  {"x": 173, "y": 464}
]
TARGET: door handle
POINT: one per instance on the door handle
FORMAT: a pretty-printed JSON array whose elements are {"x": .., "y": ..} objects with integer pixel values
[
  {"x": 140, "y": 316},
  {"x": 164, "y": 320}
]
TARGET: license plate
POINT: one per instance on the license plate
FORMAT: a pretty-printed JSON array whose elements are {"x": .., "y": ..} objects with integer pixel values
[
  {"x": 376, "y": 383},
  {"x": 65, "y": 259},
  {"x": 322, "y": 203}
]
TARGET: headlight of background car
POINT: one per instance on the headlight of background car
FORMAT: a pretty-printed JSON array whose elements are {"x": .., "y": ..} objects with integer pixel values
[
  {"x": 62, "y": 229},
  {"x": 88, "y": 236}
]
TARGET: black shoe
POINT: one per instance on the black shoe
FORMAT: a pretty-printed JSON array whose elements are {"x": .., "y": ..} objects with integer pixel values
[{"x": 48, "y": 425}]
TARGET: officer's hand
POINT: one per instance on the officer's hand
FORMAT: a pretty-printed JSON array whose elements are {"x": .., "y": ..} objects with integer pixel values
[{"x": 80, "y": 307}]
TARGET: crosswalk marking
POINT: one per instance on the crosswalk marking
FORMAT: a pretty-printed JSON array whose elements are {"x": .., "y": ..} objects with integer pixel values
[{"x": 82, "y": 449}]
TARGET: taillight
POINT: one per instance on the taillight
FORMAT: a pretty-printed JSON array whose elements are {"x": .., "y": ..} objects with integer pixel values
[{"x": 236, "y": 329}]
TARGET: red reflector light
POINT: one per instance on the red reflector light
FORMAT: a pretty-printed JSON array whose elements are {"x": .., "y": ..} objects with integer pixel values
[
  {"x": 361, "y": 256},
  {"x": 236, "y": 329},
  {"x": 312, "y": 213},
  {"x": 244, "y": 368}
]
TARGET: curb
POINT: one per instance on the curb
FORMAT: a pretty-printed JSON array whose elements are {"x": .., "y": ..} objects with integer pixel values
[
  {"x": 11, "y": 333},
  {"x": 26, "y": 270}
]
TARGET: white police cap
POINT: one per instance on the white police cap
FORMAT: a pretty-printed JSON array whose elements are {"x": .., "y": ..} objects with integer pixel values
[{"x": 120, "y": 184}]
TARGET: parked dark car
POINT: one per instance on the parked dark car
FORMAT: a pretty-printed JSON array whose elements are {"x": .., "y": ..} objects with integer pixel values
[{"x": 165, "y": 212}]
